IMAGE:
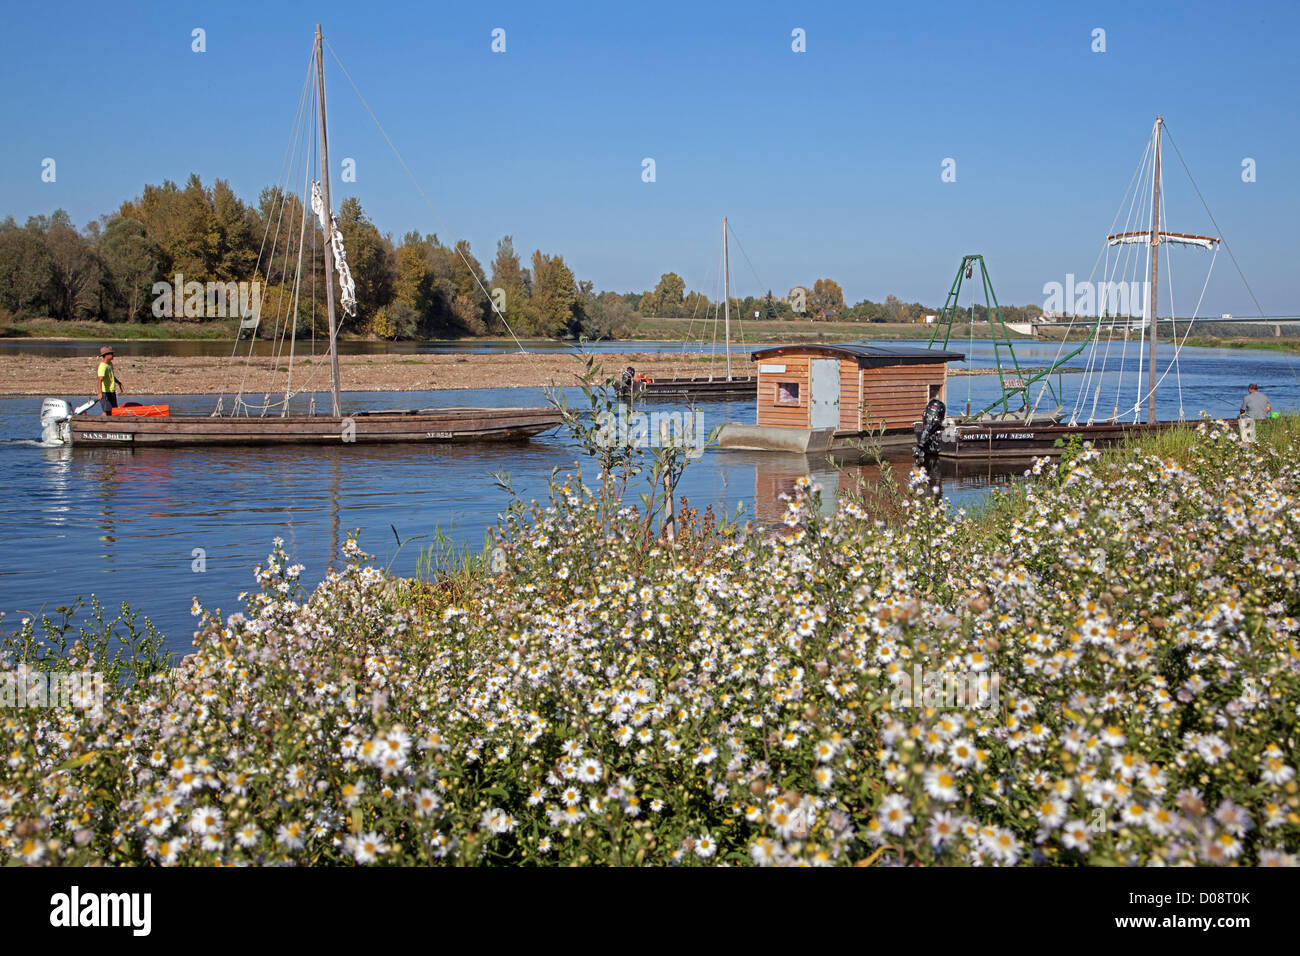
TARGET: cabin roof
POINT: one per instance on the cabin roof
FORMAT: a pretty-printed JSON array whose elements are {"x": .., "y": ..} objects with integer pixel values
[{"x": 865, "y": 353}]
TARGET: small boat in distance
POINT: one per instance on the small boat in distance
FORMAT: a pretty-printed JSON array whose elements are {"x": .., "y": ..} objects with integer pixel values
[
  {"x": 632, "y": 386},
  {"x": 60, "y": 423}
]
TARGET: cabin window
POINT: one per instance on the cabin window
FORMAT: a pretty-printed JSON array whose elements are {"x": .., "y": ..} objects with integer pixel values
[{"x": 787, "y": 393}]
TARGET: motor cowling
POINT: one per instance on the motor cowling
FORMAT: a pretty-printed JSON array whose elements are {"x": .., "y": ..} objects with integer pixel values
[{"x": 55, "y": 414}]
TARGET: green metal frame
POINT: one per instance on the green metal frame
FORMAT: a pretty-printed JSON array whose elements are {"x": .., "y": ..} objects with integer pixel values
[{"x": 1001, "y": 340}]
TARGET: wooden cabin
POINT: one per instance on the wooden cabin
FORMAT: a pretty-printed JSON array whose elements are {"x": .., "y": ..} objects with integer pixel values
[{"x": 852, "y": 387}]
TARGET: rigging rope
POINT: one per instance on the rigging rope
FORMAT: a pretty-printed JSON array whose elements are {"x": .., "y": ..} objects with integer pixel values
[{"x": 472, "y": 271}]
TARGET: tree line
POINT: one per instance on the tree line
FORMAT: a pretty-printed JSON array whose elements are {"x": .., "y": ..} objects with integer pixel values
[{"x": 418, "y": 287}]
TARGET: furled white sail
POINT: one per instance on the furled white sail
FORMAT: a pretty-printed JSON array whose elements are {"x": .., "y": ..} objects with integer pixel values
[
  {"x": 347, "y": 287},
  {"x": 1179, "y": 238}
]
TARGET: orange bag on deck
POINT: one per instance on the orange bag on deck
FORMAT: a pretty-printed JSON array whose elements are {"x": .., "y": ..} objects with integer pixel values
[{"x": 144, "y": 411}]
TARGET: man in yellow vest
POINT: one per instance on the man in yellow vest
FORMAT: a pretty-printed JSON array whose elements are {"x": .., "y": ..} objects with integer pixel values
[{"x": 108, "y": 388}]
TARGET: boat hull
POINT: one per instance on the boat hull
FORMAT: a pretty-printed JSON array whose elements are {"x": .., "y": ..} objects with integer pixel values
[
  {"x": 423, "y": 426},
  {"x": 1008, "y": 440},
  {"x": 740, "y": 387}
]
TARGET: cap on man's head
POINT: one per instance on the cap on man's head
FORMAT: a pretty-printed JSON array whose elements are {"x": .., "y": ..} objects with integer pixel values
[
  {"x": 106, "y": 350},
  {"x": 1252, "y": 387}
]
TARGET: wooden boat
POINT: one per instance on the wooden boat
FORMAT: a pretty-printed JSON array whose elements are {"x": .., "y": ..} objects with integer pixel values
[
  {"x": 738, "y": 386},
  {"x": 702, "y": 387},
  {"x": 1012, "y": 441},
  {"x": 1023, "y": 434},
  {"x": 154, "y": 426},
  {"x": 419, "y": 425}
]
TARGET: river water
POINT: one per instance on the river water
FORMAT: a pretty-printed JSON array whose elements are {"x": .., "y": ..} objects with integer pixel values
[{"x": 132, "y": 525}]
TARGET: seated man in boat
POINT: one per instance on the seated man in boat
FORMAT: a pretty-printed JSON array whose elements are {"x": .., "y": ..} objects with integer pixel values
[
  {"x": 108, "y": 388},
  {"x": 1255, "y": 405}
]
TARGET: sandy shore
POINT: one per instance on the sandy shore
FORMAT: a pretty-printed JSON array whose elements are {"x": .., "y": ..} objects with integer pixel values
[{"x": 143, "y": 377}]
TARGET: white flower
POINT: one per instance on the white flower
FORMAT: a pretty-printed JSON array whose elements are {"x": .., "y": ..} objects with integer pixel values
[
  {"x": 205, "y": 820},
  {"x": 366, "y": 847},
  {"x": 705, "y": 847},
  {"x": 893, "y": 815},
  {"x": 496, "y": 820}
]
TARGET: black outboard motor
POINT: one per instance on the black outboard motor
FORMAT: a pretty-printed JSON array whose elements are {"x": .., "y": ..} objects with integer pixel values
[
  {"x": 926, "y": 451},
  {"x": 629, "y": 377}
]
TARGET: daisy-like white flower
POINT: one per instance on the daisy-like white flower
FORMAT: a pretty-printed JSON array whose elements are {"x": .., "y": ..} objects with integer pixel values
[
  {"x": 940, "y": 784},
  {"x": 1050, "y": 811},
  {"x": 706, "y": 754},
  {"x": 893, "y": 814},
  {"x": 825, "y": 751},
  {"x": 943, "y": 827},
  {"x": 1075, "y": 835},
  {"x": 290, "y": 835},
  {"x": 426, "y": 802},
  {"x": 496, "y": 820},
  {"x": 31, "y": 850},
  {"x": 366, "y": 847},
  {"x": 1001, "y": 844},
  {"x": 823, "y": 776},
  {"x": 205, "y": 820},
  {"x": 247, "y": 836},
  {"x": 1133, "y": 813},
  {"x": 1276, "y": 771},
  {"x": 705, "y": 847},
  {"x": 962, "y": 752},
  {"x": 589, "y": 770}
]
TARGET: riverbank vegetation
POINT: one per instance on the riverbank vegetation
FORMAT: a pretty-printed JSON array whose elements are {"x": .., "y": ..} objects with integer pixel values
[
  {"x": 1103, "y": 667},
  {"x": 415, "y": 287}
]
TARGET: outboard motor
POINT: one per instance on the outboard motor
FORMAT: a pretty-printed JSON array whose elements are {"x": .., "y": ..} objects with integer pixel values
[
  {"x": 55, "y": 415},
  {"x": 926, "y": 451}
]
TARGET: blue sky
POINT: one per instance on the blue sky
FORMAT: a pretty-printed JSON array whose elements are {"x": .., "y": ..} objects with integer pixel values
[{"x": 827, "y": 162}]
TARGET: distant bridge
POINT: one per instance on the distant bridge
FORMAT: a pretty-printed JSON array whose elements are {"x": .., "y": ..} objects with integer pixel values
[{"x": 1138, "y": 324}]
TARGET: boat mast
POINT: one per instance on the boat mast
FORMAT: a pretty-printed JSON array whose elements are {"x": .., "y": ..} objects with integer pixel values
[
  {"x": 1155, "y": 272},
  {"x": 726, "y": 294},
  {"x": 328, "y": 226}
]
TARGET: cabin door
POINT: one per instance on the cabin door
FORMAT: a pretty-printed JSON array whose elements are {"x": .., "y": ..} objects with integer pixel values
[{"x": 825, "y": 404}]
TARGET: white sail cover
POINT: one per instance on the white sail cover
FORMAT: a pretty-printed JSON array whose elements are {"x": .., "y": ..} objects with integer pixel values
[
  {"x": 1182, "y": 239},
  {"x": 347, "y": 287}
]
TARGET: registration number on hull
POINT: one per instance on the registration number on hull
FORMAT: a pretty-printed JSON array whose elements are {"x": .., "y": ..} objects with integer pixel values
[
  {"x": 105, "y": 436},
  {"x": 439, "y": 434},
  {"x": 1000, "y": 436}
]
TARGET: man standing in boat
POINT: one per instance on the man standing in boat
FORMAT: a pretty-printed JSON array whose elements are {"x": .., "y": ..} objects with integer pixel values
[
  {"x": 107, "y": 386},
  {"x": 1255, "y": 405}
]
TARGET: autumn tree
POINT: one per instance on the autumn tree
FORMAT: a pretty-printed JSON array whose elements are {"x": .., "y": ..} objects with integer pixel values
[
  {"x": 826, "y": 294},
  {"x": 551, "y": 307}
]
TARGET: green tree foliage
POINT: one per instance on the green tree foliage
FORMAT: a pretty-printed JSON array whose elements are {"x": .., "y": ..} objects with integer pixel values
[
  {"x": 552, "y": 306},
  {"x": 75, "y": 270},
  {"x": 132, "y": 263},
  {"x": 25, "y": 269},
  {"x": 509, "y": 275},
  {"x": 369, "y": 258}
]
